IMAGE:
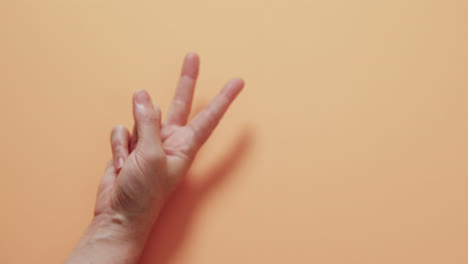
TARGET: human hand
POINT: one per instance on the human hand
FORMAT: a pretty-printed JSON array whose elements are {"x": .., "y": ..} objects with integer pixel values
[{"x": 148, "y": 164}]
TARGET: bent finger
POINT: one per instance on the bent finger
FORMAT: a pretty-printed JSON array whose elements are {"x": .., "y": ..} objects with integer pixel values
[
  {"x": 120, "y": 139},
  {"x": 147, "y": 122}
]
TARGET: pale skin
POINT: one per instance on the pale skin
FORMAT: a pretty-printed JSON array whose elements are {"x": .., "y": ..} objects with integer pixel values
[{"x": 146, "y": 167}]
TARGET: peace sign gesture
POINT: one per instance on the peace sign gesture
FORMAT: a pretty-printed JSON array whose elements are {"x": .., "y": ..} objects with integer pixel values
[{"x": 148, "y": 163}]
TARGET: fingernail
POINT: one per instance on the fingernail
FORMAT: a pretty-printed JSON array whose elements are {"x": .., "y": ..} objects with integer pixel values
[
  {"x": 142, "y": 97},
  {"x": 120, "y": 162}
]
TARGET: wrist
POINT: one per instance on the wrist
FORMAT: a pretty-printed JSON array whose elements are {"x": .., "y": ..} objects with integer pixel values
[{"x": 111, "y": 238}]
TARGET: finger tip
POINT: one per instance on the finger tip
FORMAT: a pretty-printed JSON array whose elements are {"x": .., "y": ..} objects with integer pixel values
[
  {"x": 241, "y": 81},
  {"x": 137, "y": 93},
  {"x": 141, "y": 96},
  {"x": 192, "y": 59},
  {"x": 238, "y": 82},
  {"x": 192, "y": 56},
  {"x": 233, "y": 87},
  {"x": 191, "y": 65}
]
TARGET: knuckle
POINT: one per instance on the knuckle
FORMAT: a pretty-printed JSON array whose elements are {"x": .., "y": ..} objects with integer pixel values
[
  {"x": 109, "y": 165},
  {"x": 152, "y": 156},
  {"x": 116, "y": 149},
  {"x": 114, "y": 141},
  {"x": 148, "y": 116},
  {"x": 210, "y": 116},
  {"x": 181, "y": 105}
]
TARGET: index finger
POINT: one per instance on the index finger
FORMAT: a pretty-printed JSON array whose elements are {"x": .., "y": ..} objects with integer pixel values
[{"x": 206, "y": 121}]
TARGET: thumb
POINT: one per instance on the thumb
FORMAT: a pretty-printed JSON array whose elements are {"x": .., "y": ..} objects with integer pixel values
[{"x": 148, "y": 124}]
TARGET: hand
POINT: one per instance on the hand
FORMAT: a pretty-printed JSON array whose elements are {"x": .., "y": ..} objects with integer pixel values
[{"x": 148, "y": 164}]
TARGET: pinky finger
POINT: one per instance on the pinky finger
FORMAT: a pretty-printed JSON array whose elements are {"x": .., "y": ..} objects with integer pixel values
[{"x": 120, "y": 138}]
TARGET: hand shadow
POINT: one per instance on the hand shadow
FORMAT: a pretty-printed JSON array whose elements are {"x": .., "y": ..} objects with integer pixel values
[{"x": 174, "y": 222}]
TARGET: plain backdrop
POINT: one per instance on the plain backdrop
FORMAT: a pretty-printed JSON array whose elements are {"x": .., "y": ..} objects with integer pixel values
[{"x": 349, "y": 143}]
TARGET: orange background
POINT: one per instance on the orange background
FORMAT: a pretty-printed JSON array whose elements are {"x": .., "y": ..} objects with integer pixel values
[{"x": 349, "y": 143}]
